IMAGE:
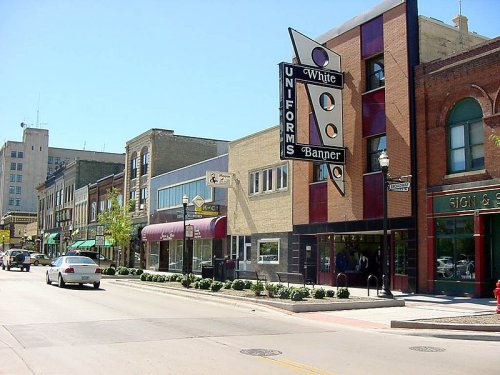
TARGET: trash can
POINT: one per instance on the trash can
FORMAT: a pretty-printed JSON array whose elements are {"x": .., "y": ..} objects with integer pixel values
[
  {"x": 219, "y": 269},
  {"x": 207, "y": 271}
]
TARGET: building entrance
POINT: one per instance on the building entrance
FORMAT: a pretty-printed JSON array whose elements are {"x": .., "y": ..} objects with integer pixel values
[{"x": 355, "y": 255}]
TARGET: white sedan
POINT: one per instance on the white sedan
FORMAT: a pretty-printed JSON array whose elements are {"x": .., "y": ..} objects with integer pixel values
[{"x": 75, "y": 270}]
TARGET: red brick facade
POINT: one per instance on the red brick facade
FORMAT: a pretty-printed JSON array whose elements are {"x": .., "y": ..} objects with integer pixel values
[{"x": 439, "y": 86}]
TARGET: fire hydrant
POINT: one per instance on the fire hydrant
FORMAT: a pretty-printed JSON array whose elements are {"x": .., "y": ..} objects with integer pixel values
[{"x": 496, "y": 293}]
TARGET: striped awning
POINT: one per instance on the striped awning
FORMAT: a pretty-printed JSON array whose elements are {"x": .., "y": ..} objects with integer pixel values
[
  {"x": 75, "y": 244},
  {"x": 53, "y": 238}
]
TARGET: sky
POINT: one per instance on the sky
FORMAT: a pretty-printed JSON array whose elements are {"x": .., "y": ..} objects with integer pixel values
[{"x": 98, "y": 73}]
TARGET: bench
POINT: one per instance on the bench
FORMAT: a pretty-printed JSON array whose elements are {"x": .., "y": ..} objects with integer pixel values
[
  {"x": 292, "y": 277},
  {"x": 249, "y": 275}
]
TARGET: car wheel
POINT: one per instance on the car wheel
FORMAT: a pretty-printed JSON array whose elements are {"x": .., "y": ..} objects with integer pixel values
[
  {"x": 60, "y": 282},
  {"x": 47, "y": 279},
  {"x": 97, "y": 285},
  {"x": 36, "y": 263}
]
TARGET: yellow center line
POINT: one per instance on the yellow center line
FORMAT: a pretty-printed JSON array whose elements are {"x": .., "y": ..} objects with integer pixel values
[{"x": 296, "y": 366}]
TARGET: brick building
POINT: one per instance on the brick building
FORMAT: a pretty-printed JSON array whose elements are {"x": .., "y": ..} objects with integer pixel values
[
  {"x": 459, "y": 172},
  {"x": 152, "y": 153},
  {"x": 335, "y": 227},
  {"x": 260, "y": 205}
]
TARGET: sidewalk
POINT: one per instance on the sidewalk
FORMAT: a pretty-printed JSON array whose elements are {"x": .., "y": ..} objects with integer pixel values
[{"x": 417, "y": 307}]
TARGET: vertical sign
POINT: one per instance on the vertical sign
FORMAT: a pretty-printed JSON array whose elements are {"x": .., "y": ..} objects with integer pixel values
[{"x": 319, "y": 70}]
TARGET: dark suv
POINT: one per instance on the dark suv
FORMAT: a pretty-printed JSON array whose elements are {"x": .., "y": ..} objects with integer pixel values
[
  {"x": 98, "y": 258},
  {"x": 16, "y": 258}
]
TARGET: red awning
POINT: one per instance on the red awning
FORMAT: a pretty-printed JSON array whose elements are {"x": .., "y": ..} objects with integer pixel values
[{"x": 211, "y": 227}]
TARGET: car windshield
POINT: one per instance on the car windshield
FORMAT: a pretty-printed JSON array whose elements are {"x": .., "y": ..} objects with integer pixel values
[{"x": 79, "y": 260}]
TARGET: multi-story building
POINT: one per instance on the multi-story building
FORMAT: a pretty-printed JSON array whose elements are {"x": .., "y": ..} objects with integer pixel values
[
  {"x": 260, "y": 205},
  {"x": 17, "y": 224},
  {"x": 459, "y": 172},
  {"x": 98, "y": 201},
  {"x": 164, "y": 236},
  {"x": 56, "y": 200},
  {"x": 26, "y": 164},
  {"x": 378, "y": 51},
  {"x": 154, "y": 152}
]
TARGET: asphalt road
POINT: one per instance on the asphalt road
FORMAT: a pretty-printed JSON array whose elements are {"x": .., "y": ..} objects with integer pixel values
[{"x": 122, "y": 330}]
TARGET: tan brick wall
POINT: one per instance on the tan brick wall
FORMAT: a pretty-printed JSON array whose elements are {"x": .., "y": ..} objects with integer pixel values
[{"x": 264, "y": 212}]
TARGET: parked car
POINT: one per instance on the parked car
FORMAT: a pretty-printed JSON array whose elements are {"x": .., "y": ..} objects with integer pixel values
[
  {"x": 37, "y": 258},
  {"x": 100, "y": 259},
  {"x": 19, "y": 258},
  {"x": 74, "y": 270}
]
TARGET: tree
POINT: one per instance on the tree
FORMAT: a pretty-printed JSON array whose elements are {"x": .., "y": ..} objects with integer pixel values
[
  {"x": 496, "y": 139},
  {"x": 117, "y": 220}
]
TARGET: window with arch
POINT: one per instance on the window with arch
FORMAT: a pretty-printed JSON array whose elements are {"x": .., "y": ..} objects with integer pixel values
[
  {"x": 466, "y": 136},
  {"x": 133, "y": 166}
]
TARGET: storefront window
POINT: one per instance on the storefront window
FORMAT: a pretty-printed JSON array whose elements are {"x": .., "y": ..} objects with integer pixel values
[
  {"x": 154, "y": 256},
  {"x": 455, "y": 248},
  {"x": 268, "y": 251},
  {"x": 400, "y": 253},
  {"x": 202, "y": 253},
  {"x": 175, "y": 262}
]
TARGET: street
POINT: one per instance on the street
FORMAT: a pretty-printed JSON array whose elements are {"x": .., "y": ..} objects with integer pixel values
[{"x": 121, "y": 330}]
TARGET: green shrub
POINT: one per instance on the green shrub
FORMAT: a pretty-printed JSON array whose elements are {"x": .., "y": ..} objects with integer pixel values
[
  {"x": 196, "y": 284},
  {"x": 155, "y": 278},
  {"x": 193, "y": 277},
  {"x": 257, "y": 288},
  {"x": 305, "y": 291},
  {"x": 238, "y": 284},
  {"x": 150, "y": 277},
  {"x": 248, "y": 284},
  {"x": 108, "y": 271},
  {"x": 215, "y": 286},
  {"x": 318, "y": 293},
  {"x": 123, "y": 271},
  {"x": 186, "y": 281},
  {"x": 283, "y": 293},
  {"x": 296, "y": 294},
  {"x": 205, "y": 283},
  {"x": 228, "y": 284},
  {"x": 139, "y": 272},
  {"x": 132, "y": 271},
  {"x": 271, "y": 289},
  {"x": 144, "y": 276},
  {"x": 161, "y": 279},
  {"x": 330, "y": 293},
  {"x": 343, "y": 293}
]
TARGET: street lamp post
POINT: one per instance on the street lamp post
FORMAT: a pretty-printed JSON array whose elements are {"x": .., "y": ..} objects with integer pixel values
[
  {"x": 386, "y": 282},
  {"x": 185, "y": 266},
  {"x": 3, "y": 242}
]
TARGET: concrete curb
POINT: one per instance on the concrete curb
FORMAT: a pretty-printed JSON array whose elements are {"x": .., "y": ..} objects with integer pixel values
[
  {"x": 414, "y": 324},
  {"x": 288, "y": 306}
]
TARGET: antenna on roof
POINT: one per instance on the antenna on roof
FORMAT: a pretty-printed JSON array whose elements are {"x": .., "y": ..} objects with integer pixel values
[
  {"x": 460, "y": 30},
  {"x": 38, "y": 112}
]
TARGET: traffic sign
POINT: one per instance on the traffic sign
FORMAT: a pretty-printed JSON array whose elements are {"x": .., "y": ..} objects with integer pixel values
[
  {"x": 99, "y": 240},
  {"x": 400, "y": 186}
]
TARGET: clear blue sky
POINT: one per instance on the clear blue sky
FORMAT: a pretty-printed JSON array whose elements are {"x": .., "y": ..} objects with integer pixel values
[{"x": 103, "y": 72}]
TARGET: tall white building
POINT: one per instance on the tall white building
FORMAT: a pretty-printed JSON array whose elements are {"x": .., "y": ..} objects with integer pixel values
[{"x": 26, "y": 164}]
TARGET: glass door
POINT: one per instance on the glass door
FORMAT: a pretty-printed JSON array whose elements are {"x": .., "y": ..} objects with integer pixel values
[
  {"x": 325, "y": 260},
  {"x": 241, "y": 251}
]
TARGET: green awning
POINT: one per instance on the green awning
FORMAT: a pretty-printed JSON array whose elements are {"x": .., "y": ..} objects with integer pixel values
[
  {"x": 75, "y": 244},
  {"x": 86, "y": 244},
  {"x": 53, "y": 239}
]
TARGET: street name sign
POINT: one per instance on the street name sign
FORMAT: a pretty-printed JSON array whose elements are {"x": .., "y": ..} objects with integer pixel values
[{"x": 400, "y": 186}]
